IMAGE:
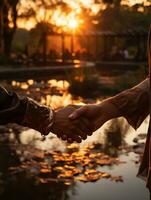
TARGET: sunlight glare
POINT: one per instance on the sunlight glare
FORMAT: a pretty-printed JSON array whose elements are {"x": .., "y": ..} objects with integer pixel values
[{"x": 73, "y": 24}]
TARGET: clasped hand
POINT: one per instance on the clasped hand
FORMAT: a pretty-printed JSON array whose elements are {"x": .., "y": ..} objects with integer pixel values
[
  {"x": 75, "y": 123},
  {"x": 72, "y": 123}
]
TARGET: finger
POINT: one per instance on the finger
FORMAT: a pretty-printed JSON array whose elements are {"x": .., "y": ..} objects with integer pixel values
[
  {"x": 77, "y": 113},
  {"x": 81, "y": 133},
  {"x": 64, "y": 137},
  {"x": 88, "y": 126},
  {"x": 84, "y": 126},
  {"x": 70, "y": 140},
  {"x": 78, "y": 132},
  {"x": 83, "y": 136},
  {"x": 61, "y": 135},
  {"x": 70, "y": 137},
  {"x": 76, "y": 136},
  {"x": 90, "y": 133}
]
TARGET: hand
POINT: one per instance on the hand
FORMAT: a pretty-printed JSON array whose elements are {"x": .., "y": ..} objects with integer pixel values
[
  {"x": 96, "y": 114},
  {"x": 90, "y": 112},
  {"x": 67, "y": 129},
  {"x": 38, "y": 117}
]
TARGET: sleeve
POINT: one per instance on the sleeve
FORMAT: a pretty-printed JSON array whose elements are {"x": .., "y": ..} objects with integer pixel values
[
  {"x": 12, "y": 107},
  {"x": 133, "y": 104}
]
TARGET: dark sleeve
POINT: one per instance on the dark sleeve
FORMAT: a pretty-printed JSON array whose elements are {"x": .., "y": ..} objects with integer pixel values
[
  {"x": 12, "y": 107},
  {"x": 133, "y": 104}
]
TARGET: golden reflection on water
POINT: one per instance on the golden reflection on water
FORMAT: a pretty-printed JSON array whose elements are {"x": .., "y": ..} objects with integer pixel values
[
  {"x": 60, "y": 99},
  {"x": 36, "y": 154},
  {"x": 45, "y": 92},
  {"x": 53, "y": 143}
]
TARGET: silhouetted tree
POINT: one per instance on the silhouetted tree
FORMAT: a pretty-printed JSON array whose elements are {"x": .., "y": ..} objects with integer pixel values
[
  {"x": 115, "y": 3},
  {"x": 8, "y": 24}
]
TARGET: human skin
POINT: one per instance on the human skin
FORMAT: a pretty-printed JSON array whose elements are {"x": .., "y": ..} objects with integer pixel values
[
  {"x": 133, "y": 102},
  {"x": 67, "y": 129},
  {"x": 29, "y": 113},
  {"x": 97, "y": 114}
]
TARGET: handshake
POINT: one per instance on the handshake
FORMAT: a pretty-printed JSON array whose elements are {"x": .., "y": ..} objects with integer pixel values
[{"x": 72, "y": 123}]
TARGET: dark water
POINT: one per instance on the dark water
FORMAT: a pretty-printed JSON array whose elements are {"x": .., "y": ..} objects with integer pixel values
[
  {"x": 131, "y": 188},
  {"x": 25, "y": 185}
]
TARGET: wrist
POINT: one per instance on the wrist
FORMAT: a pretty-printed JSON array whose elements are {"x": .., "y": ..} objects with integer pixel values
[{"x": 38, "y": 117}]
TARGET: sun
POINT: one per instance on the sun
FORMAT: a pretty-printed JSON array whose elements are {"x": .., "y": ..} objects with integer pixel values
[
  {"x": 68, "y": 22},
  {"x": 72, "y": 24}
]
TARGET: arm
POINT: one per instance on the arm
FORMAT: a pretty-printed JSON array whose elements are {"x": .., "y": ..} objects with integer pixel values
[
  {"x": 26, "y": 112},
  {"x": 12, "y": 108},
  {"x": 133, "y": 104}
]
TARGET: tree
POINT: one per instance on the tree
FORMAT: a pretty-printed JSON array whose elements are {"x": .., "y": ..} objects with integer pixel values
[
  {"x": 39, "y": 37},
  {"x": 1, "y": 25},
  {"x": 8, "y": 25},
  {"x": 115, "y": 3}
]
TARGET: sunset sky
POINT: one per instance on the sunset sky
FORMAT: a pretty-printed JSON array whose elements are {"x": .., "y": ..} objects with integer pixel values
[{"x": 59, "y": 18}]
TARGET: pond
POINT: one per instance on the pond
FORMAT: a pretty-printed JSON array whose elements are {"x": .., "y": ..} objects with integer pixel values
[
  {"x": 102, "y": 167},
  {"x": 131, "y": 188}
]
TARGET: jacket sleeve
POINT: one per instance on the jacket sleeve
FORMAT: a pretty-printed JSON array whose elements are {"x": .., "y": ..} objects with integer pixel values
[
  {"x": 133, "y": 104},
  {"x": 12, "y": 107}
]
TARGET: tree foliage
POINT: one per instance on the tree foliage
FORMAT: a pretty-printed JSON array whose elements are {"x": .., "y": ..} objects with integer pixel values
[{"x": 115, "y": 16}]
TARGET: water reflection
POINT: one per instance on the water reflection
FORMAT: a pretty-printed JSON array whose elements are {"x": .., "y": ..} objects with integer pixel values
[
  {"x": 115, "y": 134},
  {"x": 24, "y": 184},
  {"x": 24, "y": 187},
  {"x": 31, "y": 168},
  {"x": 29, "y": 184}
]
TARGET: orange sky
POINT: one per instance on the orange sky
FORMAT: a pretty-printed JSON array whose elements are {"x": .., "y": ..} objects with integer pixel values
[{"x": 57, "y": 17}]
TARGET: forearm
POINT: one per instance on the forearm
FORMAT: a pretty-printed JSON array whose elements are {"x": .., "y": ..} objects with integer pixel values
[
  {"x": 24, "y": 111},
  {"x": 106, "y": 112},
  {"x": 133, "y": 104}
]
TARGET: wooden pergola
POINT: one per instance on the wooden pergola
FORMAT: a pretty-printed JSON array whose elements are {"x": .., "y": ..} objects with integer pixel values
[{"x": 109, "y": 38}]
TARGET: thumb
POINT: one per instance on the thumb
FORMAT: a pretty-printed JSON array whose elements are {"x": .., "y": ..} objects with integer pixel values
[{"x": 78, "y": 113}]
